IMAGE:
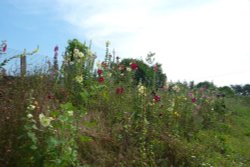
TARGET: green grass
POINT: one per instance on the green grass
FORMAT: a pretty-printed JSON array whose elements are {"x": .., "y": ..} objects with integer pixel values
[{"x": 228, "y": 144}]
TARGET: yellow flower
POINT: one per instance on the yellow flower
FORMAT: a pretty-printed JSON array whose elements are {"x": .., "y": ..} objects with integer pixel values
[
  {"x": 79, "y": 79},
  {"x": 141, "y": 90},
  {"x": 176, "y": 114}
]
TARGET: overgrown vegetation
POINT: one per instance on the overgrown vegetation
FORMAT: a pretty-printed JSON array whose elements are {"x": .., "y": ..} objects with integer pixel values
[{"x": 122, "y": 113}]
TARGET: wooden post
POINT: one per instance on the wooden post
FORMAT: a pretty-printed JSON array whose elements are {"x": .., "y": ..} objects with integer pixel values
[{"x": 23, "y": 64}]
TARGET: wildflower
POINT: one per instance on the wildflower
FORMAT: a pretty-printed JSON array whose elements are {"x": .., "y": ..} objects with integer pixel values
[
  {"x": 79, "y": 79},
  {"x": 156, "y": 68},
  {"x": 31, "y": 107},
  {"x": 4, "y": 47},
  {"x": 121, "y": 67},
  {"x": 193, "y": 100},
  {"x": 176, "y": 88},
  {"x": 45, "y": 121},
  {"x": 101, "y": 79},
  {"x": 176, "y": 114},
  {"x": 119, "y": 90},
  {"x": 157, "y": 98},
  {"x": 50, "y": 96},
  {"x": 56, "y": 49},
  {"x": 99, "y": 72},
  {"x": 142, "y": 90},
  {"x": 129, "y": 69},
  {"x": 76, "y": 51},
  {"x": 29, "y": 115},
  {"x": 134, "y": 66}
]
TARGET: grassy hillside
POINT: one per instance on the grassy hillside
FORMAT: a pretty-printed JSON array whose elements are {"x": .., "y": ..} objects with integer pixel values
[{"x": 81, "y": 117}]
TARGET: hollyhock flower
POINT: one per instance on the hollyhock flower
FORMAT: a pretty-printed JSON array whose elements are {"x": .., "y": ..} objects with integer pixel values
[
  {"x": 121, "y": 67},
  {"x": 45, "y": 121},
  {"x": 99, "y": 72},
  {"x": 4, "y": 48},
  {"x": 134, "y": 66},
  {"x": 31, "y": 107},
  {"x": 176, "y": 88},
  {"x": 101, "y": 79},
  {"x": 156, "y": 68},
  {"x": 128, "y": 69},
  {"x": 157, "y": 98},
  {"x": 193, "y": 100},
  {"x": 141, "y": 90},
  {"x": 50, "y": 96},
  {"x": 30, "y": 116},
  {"x": 56, "y": 49},
  {"x": 119, "y": 90},
  {"x": 79, "y": 79},
  {"x": 104, "y": 65}
]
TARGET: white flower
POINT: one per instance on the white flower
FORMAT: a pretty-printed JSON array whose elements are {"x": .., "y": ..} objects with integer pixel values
[
  {"x": 31, "y": 107},
  {"x": 176, "y": 88},
  {"x": 29, "y": 115},
  {"x": 129, "y": 69},
  {"x": 76, "y": 51},
  {"x": 45, "y": 121}
]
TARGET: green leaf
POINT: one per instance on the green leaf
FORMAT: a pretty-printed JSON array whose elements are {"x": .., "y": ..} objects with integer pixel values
[
  {"x": 67, "y": 106},
  {"x": 86, "y": 139}
]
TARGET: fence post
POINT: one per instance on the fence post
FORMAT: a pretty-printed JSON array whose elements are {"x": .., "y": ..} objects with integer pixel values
[{"x": 23, "y": 63}]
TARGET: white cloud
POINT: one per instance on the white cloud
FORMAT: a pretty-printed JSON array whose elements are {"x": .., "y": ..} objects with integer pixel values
[{"x": 194, "y": 40}]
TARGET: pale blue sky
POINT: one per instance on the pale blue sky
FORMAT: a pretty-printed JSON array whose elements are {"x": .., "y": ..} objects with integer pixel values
[{"x": 193, "y": 40}]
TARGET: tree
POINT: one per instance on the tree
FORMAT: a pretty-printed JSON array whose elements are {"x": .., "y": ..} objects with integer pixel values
[
  {"x": 206, "y": 84},
  {"x": 147, "y": 74},
  {"x": 75, "y": 44},
  {"x": 226, "y": 90}
]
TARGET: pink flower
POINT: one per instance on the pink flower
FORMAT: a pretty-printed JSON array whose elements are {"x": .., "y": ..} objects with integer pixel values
[
  {"x": 4, "y": 47},
  {"x": 56, "y": 49},
  {"x": 101, "y": 79},
  {"x": 157, "y": 98},
  {"x": 193, "y": 100},
  {"x": 99, "y": 72},
  {"x": 156, "y": 68}
]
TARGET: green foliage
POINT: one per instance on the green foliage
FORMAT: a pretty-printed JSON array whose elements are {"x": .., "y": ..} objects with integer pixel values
[
  {"x": 146, "y": 74},
  {"x": 243, "y": 90},
  {"x": 123, "y": 114}
]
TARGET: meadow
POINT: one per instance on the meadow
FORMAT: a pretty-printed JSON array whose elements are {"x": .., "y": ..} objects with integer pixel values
[{"x": 121, "y": 112}]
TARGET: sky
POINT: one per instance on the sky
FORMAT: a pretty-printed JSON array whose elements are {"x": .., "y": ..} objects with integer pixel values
[{"x": 194, "y": 40}]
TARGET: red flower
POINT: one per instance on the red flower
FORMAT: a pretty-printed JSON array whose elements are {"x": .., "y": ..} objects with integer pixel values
[
  {"x": 193, "y": 100},
  {"x": 157, "y": 98},
  {"x": 101, "y": 79},
  {"x": 134, "y": 66},
  {"x": 99, "y": 72},
  {"x": 50, "y": 97},
  {"x": 119, "y": 90}
]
